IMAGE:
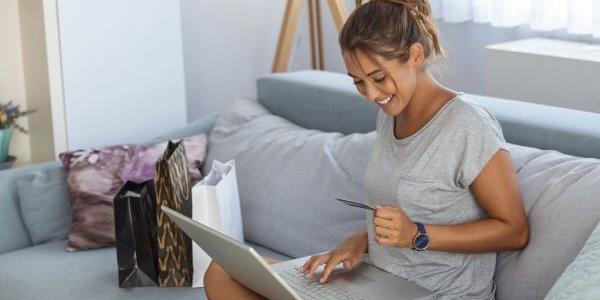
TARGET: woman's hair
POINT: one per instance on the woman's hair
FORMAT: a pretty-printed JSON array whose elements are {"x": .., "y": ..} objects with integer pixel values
[{"x": 389, "y": 27}]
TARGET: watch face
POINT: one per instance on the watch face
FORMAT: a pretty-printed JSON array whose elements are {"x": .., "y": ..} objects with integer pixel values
[{"x": 421, "y": 242}]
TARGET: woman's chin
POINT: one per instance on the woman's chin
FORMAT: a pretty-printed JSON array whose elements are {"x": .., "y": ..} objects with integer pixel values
[{"x": 388, "y": 108}]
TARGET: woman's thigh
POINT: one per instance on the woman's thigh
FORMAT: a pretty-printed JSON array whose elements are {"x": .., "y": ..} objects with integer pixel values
[{"x": 219, "y": 285}]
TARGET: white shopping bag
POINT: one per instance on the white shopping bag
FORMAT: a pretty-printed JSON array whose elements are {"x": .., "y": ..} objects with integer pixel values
[{"x": 216, "y": 203}]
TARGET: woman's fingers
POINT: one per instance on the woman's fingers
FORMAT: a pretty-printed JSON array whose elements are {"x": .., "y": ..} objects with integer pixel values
[
  {"x": 347, "y": 264},
  {"x": 319, "y": 260},
  {"x": 386, "y": 212},
  {"x": 330, "y": 265},
  {"x": 384, "y": 222},
  {"x": 351, "y": 262},
  {"x": 311, "y": 260},
  {"x": 385, "y": 232},
  {"x": 307, "y": 263}
]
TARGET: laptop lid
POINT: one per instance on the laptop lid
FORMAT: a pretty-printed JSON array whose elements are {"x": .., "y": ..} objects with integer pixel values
[{"x": 240, "y": 261}]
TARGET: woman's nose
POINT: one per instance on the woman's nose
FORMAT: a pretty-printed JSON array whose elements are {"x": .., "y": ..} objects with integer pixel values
[{"x": 372, "y": 93}]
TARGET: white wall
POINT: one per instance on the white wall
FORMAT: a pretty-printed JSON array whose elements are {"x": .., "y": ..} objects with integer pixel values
[
  {"x": 122, "y": 70},
  {"x": 228, "y": 44},
  {"x": 12, "y": 83}
]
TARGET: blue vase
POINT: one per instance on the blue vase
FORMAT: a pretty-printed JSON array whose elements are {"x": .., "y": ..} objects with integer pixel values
[{"x": 5, "y": 135}]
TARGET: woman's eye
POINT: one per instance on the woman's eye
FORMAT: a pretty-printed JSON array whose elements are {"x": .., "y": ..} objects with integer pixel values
[{"x": 376, "y": 80}]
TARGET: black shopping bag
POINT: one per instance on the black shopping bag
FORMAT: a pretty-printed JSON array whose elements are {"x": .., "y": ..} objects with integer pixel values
[{"x": 135, "y": 234}]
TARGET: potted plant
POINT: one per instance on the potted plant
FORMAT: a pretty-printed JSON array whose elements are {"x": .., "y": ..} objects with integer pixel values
[{"x": 9, "y": 113}]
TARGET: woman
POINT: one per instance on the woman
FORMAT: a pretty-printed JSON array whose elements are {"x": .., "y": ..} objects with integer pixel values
[{"x": 440, "y": 174}]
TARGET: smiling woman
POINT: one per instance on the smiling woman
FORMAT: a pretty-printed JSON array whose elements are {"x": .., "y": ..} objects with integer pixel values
[{"x": 440, "y": 174}]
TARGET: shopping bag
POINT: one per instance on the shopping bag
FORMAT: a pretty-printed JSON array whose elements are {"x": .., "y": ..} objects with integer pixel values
[
  {"x": 216, "y": 203},
  {"x": 135, "y": 234},
  {"x": 173, "y": 189}
]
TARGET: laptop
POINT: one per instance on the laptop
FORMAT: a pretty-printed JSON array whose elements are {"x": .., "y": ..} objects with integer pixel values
[{"x": 284, "y": 280}]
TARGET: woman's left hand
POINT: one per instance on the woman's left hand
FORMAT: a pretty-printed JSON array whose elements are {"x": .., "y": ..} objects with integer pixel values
[{"x": 393, "y": 227}]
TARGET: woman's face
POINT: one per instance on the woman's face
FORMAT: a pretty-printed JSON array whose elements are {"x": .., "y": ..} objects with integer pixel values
[{"x": 389, "y": 83}]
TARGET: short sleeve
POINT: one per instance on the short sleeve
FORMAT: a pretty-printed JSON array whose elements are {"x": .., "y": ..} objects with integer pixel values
[{"x": 482, "y": 138}]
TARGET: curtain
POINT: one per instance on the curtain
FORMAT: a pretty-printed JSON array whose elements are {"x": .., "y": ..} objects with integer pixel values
[{"x": 576, "y": 16}]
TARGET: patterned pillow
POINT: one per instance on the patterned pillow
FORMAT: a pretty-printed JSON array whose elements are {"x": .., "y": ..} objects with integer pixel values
[{"x": 95, "y": 175}]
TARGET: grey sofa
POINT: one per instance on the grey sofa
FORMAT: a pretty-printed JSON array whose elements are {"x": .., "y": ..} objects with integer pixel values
[{"x": 312, "y": 99}]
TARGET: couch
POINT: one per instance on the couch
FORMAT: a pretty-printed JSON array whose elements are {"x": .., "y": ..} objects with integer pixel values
[{"x": 327, "y": 102}]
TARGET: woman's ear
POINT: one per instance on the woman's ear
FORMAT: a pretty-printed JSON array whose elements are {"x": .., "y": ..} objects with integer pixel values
[{"x": 417, "y": 56}]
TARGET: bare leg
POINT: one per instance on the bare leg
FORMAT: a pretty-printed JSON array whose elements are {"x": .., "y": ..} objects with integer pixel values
[{"x": 218, "y": 284}]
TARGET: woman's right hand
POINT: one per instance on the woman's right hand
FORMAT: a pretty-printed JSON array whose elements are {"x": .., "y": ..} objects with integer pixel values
[{"x": 349, "y": 253}]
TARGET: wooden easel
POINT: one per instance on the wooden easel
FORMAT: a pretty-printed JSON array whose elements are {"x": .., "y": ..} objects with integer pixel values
[{"x": 288, "y": 29}]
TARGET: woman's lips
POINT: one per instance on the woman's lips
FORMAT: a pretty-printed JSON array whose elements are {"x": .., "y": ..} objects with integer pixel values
[{"x": 385, "y": 100}]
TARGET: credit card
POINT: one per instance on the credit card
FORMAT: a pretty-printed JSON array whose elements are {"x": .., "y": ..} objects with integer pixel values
[{"x": 356, "y": 204}]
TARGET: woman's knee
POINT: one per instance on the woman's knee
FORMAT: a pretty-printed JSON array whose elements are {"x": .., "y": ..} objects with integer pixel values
[
  {"x": 213, "y": 275},
  {"x": 215, "y": 278}
]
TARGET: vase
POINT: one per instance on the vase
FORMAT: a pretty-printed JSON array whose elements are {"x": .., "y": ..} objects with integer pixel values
[{"x": 5, "y": 136}]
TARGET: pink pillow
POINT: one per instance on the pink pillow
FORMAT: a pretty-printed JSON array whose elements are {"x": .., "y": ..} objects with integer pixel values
[{"x": 95, "y": 175}]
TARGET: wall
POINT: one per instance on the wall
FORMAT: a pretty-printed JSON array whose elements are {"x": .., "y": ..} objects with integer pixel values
[
  {"x": 12, "y": 83},
  {"x": 229, "y": 44},
  {"x": 122, "y": 70},
  {"x": 35, "y": 67},
  {"x": 226, "y": 44}
]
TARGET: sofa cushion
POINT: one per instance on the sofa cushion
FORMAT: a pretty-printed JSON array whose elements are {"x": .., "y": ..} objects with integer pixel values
[
  {"x": 95, "y": 175},
  {"x": 44, "y": 202},
  {"x": 560, "y": 195},
  {"x": 13, "y": 233},
  {"x": 580, "y": 279},
  {"x": 46, "y": 271},
  {"x": 288, "y": 177}
]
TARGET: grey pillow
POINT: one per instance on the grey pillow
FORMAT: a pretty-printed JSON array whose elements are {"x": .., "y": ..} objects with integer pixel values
[
  {"x": 288, "y": 177},
  {"x": 560, "y": 193},
  {"x": 582, "y": 277},
  {"x": 44, "y": 201}
]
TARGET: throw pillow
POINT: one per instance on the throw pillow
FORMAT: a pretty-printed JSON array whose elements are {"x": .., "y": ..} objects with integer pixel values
[
  {"x": 95, "y": 175},
  {"x": 288, "y": 177},
  {"x": 560, "y": 195},
  {"x": 44, "y": 202}
]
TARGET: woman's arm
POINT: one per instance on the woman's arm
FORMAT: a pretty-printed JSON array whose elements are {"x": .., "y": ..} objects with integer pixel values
[{"x": 497, "y": 192}]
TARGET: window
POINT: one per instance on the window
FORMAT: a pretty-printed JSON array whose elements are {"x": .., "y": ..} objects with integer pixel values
[{"x": 576, "y": 16}]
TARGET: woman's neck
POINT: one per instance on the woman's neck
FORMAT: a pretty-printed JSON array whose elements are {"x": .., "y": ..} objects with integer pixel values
[{"x": 427, "y": 100}]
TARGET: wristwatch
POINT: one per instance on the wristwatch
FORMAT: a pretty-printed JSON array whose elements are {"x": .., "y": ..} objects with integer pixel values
[{"x": 421, "y": 239}]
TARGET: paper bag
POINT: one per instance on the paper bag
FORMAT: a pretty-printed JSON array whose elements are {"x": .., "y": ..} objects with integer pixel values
[
  {"x": 173, "y": 189},
  {"x": 216, "y": 203},
  {"x": 135, "y": 234}
]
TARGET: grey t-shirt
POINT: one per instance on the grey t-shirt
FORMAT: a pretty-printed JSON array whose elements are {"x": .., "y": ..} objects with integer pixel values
[{"x": 428, "y": 175}]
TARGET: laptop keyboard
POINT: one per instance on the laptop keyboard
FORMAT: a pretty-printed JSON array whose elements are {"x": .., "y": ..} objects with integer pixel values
[{"x": 307, "y": 289}]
